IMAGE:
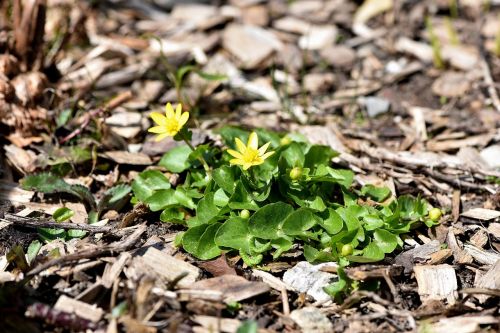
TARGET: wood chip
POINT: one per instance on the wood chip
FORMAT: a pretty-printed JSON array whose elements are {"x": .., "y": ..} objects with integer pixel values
[
  {"x": 11, "y": 192},
  {"x": 462, "y": 324},
  {"x": 482, "y": 214},
  {"x": 436, "y": 282},
  {"x": 241, "y": 40},
  {"x": 480, "y": 255},
  {"x": 169, "y": 267},
  {"x": 490, "y": 280},
  {"x": 234, "y": 288},
  {"x": 494, "y": 229},
  {"x": 112, "y": 271},
  {"x": 440, "y": 256},
  {"x": 81, "y": 309},
  {"x": 420, "y": 253},
  {"x": 125, "y": 157},
  {"x": 215, "y": 324}
]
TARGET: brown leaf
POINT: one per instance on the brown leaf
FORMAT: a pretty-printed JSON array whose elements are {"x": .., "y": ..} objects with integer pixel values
[{"x": 218, "y": 267}]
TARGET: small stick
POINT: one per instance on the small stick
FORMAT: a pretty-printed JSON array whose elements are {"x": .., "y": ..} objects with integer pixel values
[
  {"x": 488, "y": 79},
  {"x": 33, "y": 223},
  {"x": 115, "y": 102}
]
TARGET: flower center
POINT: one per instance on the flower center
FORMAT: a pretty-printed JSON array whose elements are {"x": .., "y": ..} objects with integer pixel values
[
  {"x": 172, "y": 126},
  {"x": 251, "y": 155}
]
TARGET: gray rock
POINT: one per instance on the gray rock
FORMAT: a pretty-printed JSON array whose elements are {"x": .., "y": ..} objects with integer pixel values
[
  {"x": 375, "y": 105},
  {"x": 307, "y": 278},
  {"x": 312, "y": 320}
]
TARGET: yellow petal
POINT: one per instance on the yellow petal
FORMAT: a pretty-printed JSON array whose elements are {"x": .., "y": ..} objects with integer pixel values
[
  {"x": 157, "y": 129},
  {"x": 162, "y": 136},
  {"x": 246, "y": 166},
  {"x": 178, "y": 111},
  {"x": 184, "y": 118},
  {"x": 158, "y": 118},
  {"x": 263, "y": 149},
  {"x": 169, "y": 111},
  {"x": 266, "y": 155},
  {"x": 240, "y": 145},
  {"x": 234, "y": 153},
  {"x": 236, "y": 161},
  {"x": 253, "y": 141}
]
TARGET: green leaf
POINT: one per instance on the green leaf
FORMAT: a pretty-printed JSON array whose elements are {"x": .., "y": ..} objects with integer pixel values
[
  {"x": 298, "y": 222},
  {"x": 266, "y": 222},
  {"x": 63, "y": 117},
  {"x": 292, "y": 156},
  {"x": 32, "y": 251},
  {"x": 229, "y": 133},
  {"x": 170, "y": 197},
  {"x": 206, "y": 209},
  {"x": 211, "y": 76},
  {"x": 49, "y": 234},
  {"x": 251, "y": 259},
  {"x": 331, "y": 221},
  {"x": 45, "y": 183},
  {"x": 281, "y": 245},
  {"x": 115, "y": 197},
  {"x": 385, "y": 240},
  {"x": 249, "y": 326},
  {"x": 84, "y": 194},
  {"x": 371, "y": 253},
  {"x": 220, "y": 198},
  {"x": 199, "y": 241},
  {"x": 147, "y": 182},
  {"x": 224, "y": 177},
  {"x": 181, "y": 72},
  {"x": 241, "y": 199},
  {"x": 176, "y": 159},
  {"x": 372, "y": 222},
  {"x": 314, "y": 255},
  {"x": 74, "y": 233},
  {"x": 319, "y": 154},
  {"x": 378, "y": 194},
  {"x": 234, "y": 234},
  {"x": 62, "y": 214},
  {"x": 172, "y": 215}
]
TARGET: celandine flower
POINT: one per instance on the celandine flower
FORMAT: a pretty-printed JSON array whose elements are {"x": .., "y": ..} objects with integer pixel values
[
  {"x": 170, "y": 123},
  {"x": 249, "y": 155}
]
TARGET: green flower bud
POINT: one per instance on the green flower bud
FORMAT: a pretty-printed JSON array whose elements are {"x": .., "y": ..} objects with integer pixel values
[
  {"x": 435, "y": 214},
  {"x": 285, "y": 141},
  {"x": 347, "y": 250},
  {"x": 245, "y": 213},
  {"x": 296, "y": 173}
]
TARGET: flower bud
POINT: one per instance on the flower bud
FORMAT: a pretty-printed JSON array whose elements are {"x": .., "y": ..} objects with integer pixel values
[
  {"x": 435, "y": 214},
  {"x": 347, "y": 250},
  {"x": 285, "y": 141},
  {"x": 245, "y": 213},
  {"x": 296, "y": 173}
]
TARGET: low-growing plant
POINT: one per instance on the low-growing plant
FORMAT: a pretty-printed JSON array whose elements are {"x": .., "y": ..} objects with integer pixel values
[{"x": 261, "y": 202}]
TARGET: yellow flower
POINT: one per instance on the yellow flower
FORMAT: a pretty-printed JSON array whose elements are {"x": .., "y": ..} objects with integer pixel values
[
  {"x": 170, "y": 123},
  {"x": 249, "y": 155}
]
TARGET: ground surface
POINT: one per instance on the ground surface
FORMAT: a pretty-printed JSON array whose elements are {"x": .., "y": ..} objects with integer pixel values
[{"x": 407, "y": 92}]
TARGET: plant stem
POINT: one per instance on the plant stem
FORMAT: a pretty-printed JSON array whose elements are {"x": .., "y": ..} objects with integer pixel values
[{"x": 200, "y": 158}]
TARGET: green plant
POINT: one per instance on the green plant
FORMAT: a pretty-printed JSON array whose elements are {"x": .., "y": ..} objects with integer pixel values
[
  {"x": 270, "y": 208},
  {"x": 437, "y": 57}
]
